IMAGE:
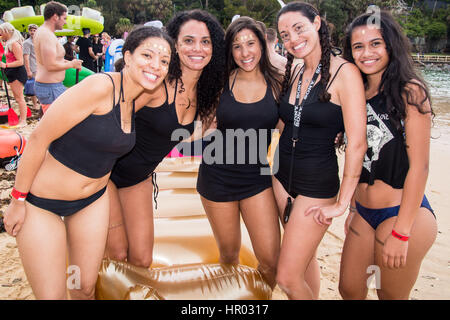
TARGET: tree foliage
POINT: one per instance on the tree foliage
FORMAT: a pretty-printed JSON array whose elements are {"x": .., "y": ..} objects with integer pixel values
[{"x": 419, "y": 18}]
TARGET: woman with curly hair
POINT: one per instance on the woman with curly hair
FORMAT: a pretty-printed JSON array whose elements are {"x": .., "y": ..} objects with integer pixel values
[
  {"x": 391, "y": 224},
  {"x": 317, "y": 102},
  {"x": 231, "y": 188},
  {"x": 189, "y": 93}
]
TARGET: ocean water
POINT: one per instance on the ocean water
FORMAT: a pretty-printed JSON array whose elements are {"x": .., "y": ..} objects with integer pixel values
[{"x": 439, "y": 85}]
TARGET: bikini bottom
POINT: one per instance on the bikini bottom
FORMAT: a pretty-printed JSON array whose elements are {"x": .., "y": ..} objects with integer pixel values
[
  {"x": 64, "y": 208},
  {"x": 375, "y": 217}
]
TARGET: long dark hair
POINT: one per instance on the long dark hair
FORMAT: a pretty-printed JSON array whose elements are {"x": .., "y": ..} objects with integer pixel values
[
  {"x": 271, "y": 74},
  {"x": 310, "y": 12},
  {"x": 400, "y": 71},
  {"x": 211, "y": 81}
]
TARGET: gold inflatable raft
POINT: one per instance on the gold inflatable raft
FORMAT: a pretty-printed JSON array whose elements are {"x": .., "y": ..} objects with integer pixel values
[{"x": 185, "y": 256}]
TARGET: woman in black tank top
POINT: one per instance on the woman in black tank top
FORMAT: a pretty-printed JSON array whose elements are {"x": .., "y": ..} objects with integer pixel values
[
  {"x": 188, "y": 95},
  {"x": 391, "y": 223},
  {"x": 313, "y": 113},
  {"x": 237, "y": 178},
  {"x": 87, "y": 128}
]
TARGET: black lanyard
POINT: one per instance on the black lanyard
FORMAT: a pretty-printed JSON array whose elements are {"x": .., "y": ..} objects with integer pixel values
[{"x": 298, "y": 108}]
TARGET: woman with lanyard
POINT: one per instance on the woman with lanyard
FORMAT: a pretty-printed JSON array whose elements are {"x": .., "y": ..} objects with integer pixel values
[
  {"x": 189, "y": 93},
  {"x": 66, "y": 166},
  {"x": 391, "y": 224},
  {"x": 307, "y": 182},
  {"x": 228, "y": 188},
  {"x": 14, "y": 67}
]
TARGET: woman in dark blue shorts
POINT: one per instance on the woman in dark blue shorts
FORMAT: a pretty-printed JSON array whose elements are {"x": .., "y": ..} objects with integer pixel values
[
  {"x": 188, "y": 94},
  {"x": 236, "y": 179},
  {"x": 391, "y": 224}
]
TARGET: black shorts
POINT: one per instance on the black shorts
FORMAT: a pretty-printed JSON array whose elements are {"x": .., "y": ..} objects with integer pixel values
[
  {"x": 226, "y": 183},
  {"x": 17, "y": 73},
  {"x": 131, "y": 171},
  {"x": 314, "y": 175}
]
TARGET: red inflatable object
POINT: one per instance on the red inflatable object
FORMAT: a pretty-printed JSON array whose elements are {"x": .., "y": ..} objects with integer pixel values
[{"x": 12, "y": 144}]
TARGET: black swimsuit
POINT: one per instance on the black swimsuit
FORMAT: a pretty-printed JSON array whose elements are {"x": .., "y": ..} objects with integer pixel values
[
  {"x": 240, "y": 179},
  {"x": 154, "y": 128},
  {"x": 90, "y": 148},
  {"x": 315, "y": 172}
]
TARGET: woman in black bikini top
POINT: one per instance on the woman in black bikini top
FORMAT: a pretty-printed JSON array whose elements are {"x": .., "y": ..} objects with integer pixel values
[{"x": 71, "y": 182}]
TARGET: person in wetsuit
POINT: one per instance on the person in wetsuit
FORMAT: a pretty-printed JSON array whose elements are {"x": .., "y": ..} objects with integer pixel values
[
  {"x": 188, "y": 94},
  {"x": 237, "y": 180},
  {"x": 391, "y": 224},
  {"x": 66, "y": 166},
  {"x": 319, "y": 101}
]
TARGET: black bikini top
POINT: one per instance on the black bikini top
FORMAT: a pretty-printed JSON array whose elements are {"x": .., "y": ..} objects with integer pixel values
[{"x": 92, "y": 146}]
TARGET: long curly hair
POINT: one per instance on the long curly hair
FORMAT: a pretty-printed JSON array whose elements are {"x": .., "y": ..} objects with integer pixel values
[
  {"x": 310, "y": 12},
  {"x": 271, "y": 74},
  {"x": 211, "y": 81},
  {"x": 400, "y": 71}
]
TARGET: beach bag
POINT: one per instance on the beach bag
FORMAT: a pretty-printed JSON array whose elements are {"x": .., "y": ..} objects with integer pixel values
[{"x": 29, "y": 88}]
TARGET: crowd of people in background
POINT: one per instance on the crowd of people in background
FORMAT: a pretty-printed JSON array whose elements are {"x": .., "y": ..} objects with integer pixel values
[{"x": 91, "y": 49}]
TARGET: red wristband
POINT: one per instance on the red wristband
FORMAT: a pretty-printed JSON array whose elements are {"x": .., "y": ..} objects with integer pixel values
[
  {"x": 399, "y": 236},
  {"x": 18, "y": 195}
]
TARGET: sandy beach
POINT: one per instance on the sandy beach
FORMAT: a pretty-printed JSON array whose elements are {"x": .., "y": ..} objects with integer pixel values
[{"x": 433, "y": 281}]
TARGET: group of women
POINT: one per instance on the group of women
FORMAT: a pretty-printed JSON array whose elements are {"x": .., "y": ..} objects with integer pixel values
[{"x": 102, "y": 151}]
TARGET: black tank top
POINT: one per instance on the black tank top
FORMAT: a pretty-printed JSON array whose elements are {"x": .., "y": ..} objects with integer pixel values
[
  {"x": 154, "y": 127},
  {"x": 386, "y": 158},
  {"x": 257, "y": 119},
  {"x": 320, "y": 123},
  {"x": 92, "y": 146}
]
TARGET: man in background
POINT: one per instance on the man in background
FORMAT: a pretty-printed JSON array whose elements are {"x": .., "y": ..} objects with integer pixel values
[
  {"x": 276, "y": 59},
  {"x": 51, "y": 65},
  {"x": 85, "y": 49},
  {"x": 29, "y": 58}
]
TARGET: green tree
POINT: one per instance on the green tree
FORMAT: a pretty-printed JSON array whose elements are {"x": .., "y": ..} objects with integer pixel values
[
  {"x": 124, "y": 25},
  {"x": 160, "y": 10},
  {"x": 436, "y": 30},
  {"x": 91, "y": 4},
  {"x": 261, "y": 10}
]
